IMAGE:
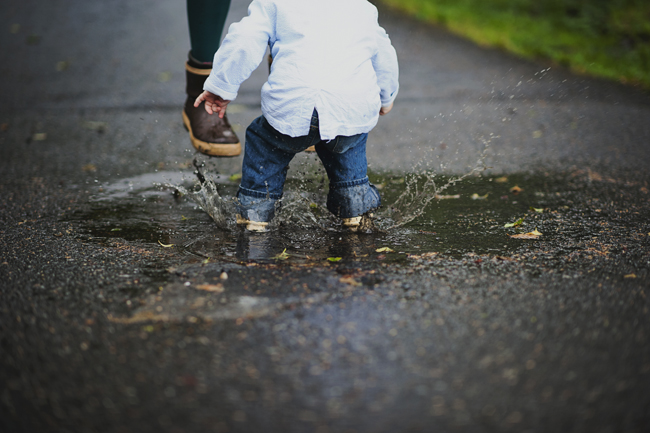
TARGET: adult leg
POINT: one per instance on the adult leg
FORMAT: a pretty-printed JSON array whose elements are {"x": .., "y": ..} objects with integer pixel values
[
  {"x": 206, "y": 19},
  {"x": 208, "y": 133}
]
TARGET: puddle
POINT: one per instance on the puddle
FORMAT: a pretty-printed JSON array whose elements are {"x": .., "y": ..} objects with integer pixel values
[
  {"x": 467, "y": 217},
  {"x": 586, "y": 222}
]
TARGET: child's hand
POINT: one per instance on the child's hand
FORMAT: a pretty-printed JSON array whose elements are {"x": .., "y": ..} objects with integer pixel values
[
  {"x": 213, "y": 103},
  {"x": 386, "y": 110}
]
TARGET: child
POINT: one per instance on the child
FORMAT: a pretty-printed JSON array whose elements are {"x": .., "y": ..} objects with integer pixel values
[{"x": 334, "y": 72}]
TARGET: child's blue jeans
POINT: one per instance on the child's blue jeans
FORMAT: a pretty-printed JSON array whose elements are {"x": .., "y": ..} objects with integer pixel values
[{"x": 266, "y": 162}]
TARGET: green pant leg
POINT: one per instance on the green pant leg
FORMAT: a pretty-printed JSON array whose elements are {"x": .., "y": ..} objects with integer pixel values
[{"x": 206, "y": 19}]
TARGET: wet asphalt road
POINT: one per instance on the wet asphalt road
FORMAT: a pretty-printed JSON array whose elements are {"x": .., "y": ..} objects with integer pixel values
[{"x": 105, "y": 331}]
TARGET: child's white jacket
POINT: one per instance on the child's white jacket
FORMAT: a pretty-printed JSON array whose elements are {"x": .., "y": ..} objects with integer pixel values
[{"x": 330, "y": 55}]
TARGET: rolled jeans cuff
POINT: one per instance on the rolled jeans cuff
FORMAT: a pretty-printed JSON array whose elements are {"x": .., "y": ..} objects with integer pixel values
[
  {"x": 255, "y": 207},
  {"x": 352, "y": 199}
]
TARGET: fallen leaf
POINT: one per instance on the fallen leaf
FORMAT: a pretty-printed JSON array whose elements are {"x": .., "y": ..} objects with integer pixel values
[
  {"x": 503, "y": 179},
  {"x": 144, "y": 316},
  {"x": 282, "y": 256},
  {"x": 530, "y": 235},
  {"x": 165, "y": 76},
  {"x": 62, "y": 66},
  {"x": 89, "y": 168},
  {"x": 538, "y": 210},
  {"x": 95, "y": 125},
  {"x": 349, "y": 280},
  {"x": 39, "y": 136},
  {"x": 475, "y": 196},
  {"x": 235, "y": 177},
  {"x": 593, "y": 176},
  {"x": 165, "y": 245},
  {"x": 447, "y": 197},
  {"x": 217, "y": 288},
  {"x": 384, "y": 250},
  {"x": 334, "y": 259},
  {"x": 537, "y": 134},
  {"x": 516, "y": 190},
  {"x": 422, "y": 256},
  {"x": 630, "y": 276},
  {"x": 116, "y": 229},
  {"x": 517, "y": 223},
  {"x": 183, "y": 218}
]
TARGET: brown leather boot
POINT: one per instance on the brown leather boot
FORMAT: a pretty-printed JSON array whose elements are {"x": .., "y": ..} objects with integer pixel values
[{"x": 209, "y": 134}]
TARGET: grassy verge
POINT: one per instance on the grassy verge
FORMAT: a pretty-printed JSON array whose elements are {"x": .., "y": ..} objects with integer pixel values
[{"x": 604, "y": 38}]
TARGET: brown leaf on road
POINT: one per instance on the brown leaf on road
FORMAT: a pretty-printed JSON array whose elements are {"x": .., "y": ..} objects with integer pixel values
[
  {"x": 143, "y": 316},
  {"x": 217, "y": 288},
  {"x": 530, "y": 235},
  {"x": 422, "y": 256},
  {"x": 349, "y": 280}
]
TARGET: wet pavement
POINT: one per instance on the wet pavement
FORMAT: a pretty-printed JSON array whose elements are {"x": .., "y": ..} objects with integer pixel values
[{"x": 124, "y": 307}]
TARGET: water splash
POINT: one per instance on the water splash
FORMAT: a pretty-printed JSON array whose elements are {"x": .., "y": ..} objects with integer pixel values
[
  {"x": 421, "y": 189},
  {"x": 207, "y": 197},
  {"x": 304, "y": 209},
  {"x": 298, "y": 208}
]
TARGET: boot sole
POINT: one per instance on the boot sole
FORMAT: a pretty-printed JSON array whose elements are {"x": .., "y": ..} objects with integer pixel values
[
  {"x": 211, "y": 149},
  {"x": 253, "y": 226},
  {"x": 353, "y": 223}
]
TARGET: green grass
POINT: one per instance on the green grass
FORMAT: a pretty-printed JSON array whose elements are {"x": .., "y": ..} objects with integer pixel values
[{"x": 603, "y": 38}]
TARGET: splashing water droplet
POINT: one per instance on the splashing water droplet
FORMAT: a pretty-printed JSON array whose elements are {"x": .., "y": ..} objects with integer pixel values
[{"x": 220, "y": 209}]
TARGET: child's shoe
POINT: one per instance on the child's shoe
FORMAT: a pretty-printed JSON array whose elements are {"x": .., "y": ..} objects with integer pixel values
[
  {"x": 253, "y": 226},
  {"x": 353, "y": 223},
  {"x": 209, "y": 134},
  {"x": 361, "y": 223}
]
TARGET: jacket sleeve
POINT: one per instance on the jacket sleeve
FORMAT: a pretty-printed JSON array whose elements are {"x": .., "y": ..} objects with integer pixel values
[
  {"x": 386, "y": 67},
  {"x": 242, "y": 50}
]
